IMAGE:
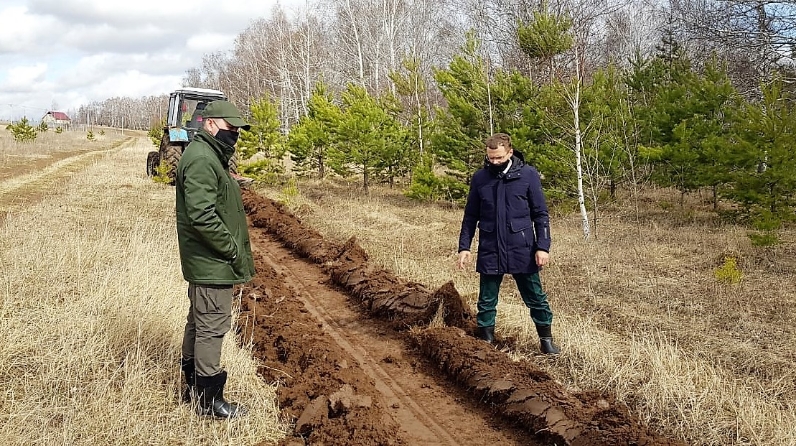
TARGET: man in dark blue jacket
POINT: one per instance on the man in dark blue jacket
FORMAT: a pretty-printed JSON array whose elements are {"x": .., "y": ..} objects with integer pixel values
[{"x": 507, "y": 204}]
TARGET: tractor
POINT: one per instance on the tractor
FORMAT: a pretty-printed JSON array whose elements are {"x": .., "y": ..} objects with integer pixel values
[{"x": 183, "y": 121}]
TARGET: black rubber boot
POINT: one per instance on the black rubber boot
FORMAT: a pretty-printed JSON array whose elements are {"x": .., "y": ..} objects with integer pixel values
[
  {"x": 486, "y": 333},
  {"x": 189, "y": 370},
  {"x": 210, "y": 390},
  {"x": 546, "y": 340}
]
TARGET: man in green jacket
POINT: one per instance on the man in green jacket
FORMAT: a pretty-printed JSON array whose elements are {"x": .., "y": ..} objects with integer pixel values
[{"x": 215, "y": 253}]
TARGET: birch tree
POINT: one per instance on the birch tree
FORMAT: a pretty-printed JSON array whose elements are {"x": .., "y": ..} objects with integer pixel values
[
  {"x": 545, "y": 37},
  {"x": 350, "y": 14},
  {"x": 410, "y": 85},
  {"x": 754, "y": 37},
  {"x": 573, "y": 98}
]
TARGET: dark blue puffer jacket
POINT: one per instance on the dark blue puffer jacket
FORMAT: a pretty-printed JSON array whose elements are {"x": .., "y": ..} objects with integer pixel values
[{"x": 511, "y": 213}]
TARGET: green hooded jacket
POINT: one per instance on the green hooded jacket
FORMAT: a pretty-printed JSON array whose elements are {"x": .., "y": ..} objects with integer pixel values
[{"x": 211, "y": 223}]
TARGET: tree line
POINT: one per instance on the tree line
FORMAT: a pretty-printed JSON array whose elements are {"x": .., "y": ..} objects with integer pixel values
[{"x": 598, "y": 95}]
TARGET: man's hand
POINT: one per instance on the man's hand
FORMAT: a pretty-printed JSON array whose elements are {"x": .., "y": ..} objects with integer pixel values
[
  {"x": 464, "y": 259},
  {"x": 542, "y": 258}
]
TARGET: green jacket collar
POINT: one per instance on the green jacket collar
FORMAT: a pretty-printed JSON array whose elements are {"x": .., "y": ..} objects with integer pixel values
[{"x": 224, "y": 151}]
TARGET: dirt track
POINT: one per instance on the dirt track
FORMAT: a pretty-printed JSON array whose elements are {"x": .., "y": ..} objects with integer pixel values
[
  {"x": 399, "y": 397},
  {"x": 24, "y": 183},
  {"x": 356, "y": 363}
]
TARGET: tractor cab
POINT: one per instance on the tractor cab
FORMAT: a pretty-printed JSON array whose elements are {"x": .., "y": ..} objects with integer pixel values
[
  {"x": 185, "y": 111},
  {"x": 183, "y": 120}
]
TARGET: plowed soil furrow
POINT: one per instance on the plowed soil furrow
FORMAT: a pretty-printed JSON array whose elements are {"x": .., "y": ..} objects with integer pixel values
[
  {"x": 371, "y": 374},
  {"x": 425, "y": 411}
]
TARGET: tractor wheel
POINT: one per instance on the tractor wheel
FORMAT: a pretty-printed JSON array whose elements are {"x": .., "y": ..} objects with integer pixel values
[
  {"x": 171, "y": 155},
  {"x": 233, "y": 164},
  {"x": 152, "y": 163}
]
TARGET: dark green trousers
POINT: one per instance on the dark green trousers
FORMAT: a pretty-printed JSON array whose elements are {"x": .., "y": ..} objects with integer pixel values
[
  {"x": 530, "y": 287},
  {"x": 209, "y": 319}
]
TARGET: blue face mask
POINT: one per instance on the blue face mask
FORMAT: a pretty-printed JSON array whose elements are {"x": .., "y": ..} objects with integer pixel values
[{"x": 227, "y": 137}]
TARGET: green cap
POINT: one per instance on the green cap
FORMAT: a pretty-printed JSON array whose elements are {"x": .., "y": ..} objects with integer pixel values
[{"x": 227, "y": 111}]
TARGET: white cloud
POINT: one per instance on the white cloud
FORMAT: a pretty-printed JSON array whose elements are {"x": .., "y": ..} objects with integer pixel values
[
  {"x": 21, "y": 31},
  {"x": 77, "y": 51},
  {"x": 107, "y": 38},
  {"x": 87, "y": 71},
  {"x": 184, "y": 18},
  {"x": 209, "y": 42},
  {"x": 133, "y": 83},
  {"x": 23, "y": 79}
]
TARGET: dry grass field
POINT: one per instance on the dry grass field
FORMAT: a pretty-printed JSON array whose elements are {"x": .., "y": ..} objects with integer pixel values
[
  {"x": 92, "y": 308},
  {"x": 30, "y": 169},
  {"x": 47, "y": 146},
  {"x": 93, "y": 304},
  {"x": 639, "y": 310}
]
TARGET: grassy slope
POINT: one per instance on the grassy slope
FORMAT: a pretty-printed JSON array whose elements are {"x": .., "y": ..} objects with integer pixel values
[
  {"x": 91, "y": 313},
  {"x": 638, "y": 309}
]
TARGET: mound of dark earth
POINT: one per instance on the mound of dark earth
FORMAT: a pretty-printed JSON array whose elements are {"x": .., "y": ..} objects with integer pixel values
[{"x": 356, "y": 362}]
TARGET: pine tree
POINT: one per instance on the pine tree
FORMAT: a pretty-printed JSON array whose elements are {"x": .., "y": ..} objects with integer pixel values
[
  {"x": 314, "y": 135},
  {"x": 398, "y": 156},
  {"x": 374, "y": 139},
  {"x": 761, "y": 163},
  {"x": 155, "y": 133},
  {"x": 687, "y": 122},
  {"x": 534, "y": 117},
  {"x": 545, "y": 37},
  {"x": 463, "y": 126},
  {"x": 264, "y": 136},
  {"x": 23, "y": 131},
  {"x": 508, "y": 102}
]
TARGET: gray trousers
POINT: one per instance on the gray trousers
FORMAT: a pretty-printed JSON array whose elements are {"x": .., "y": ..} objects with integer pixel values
[{"x": 209, "y": 319}]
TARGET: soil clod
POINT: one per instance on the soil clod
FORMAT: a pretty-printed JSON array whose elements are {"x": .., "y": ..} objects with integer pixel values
[{"x": 338, "y": 392}]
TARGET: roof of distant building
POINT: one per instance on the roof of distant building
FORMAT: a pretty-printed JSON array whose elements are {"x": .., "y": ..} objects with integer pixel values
[{"x": 61, "y": 116}]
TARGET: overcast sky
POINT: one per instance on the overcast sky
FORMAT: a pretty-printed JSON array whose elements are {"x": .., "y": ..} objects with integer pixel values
[{"x": 64, "y": 53}]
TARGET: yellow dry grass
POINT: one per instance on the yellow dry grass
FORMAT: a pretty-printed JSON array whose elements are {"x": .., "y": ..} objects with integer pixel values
[
  {"x": 50, "y": 144},
  {"x": 638, "y": 310},
  {"x": 92, "y": 310}
]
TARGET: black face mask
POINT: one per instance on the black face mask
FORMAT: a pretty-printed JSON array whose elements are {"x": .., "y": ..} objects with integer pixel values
[
  {"x": 227, "y": 137},
  {"x": 496, "y": 169}
]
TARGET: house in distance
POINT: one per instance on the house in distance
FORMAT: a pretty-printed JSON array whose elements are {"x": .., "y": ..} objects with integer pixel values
[{"x": 56, "y": 119}]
